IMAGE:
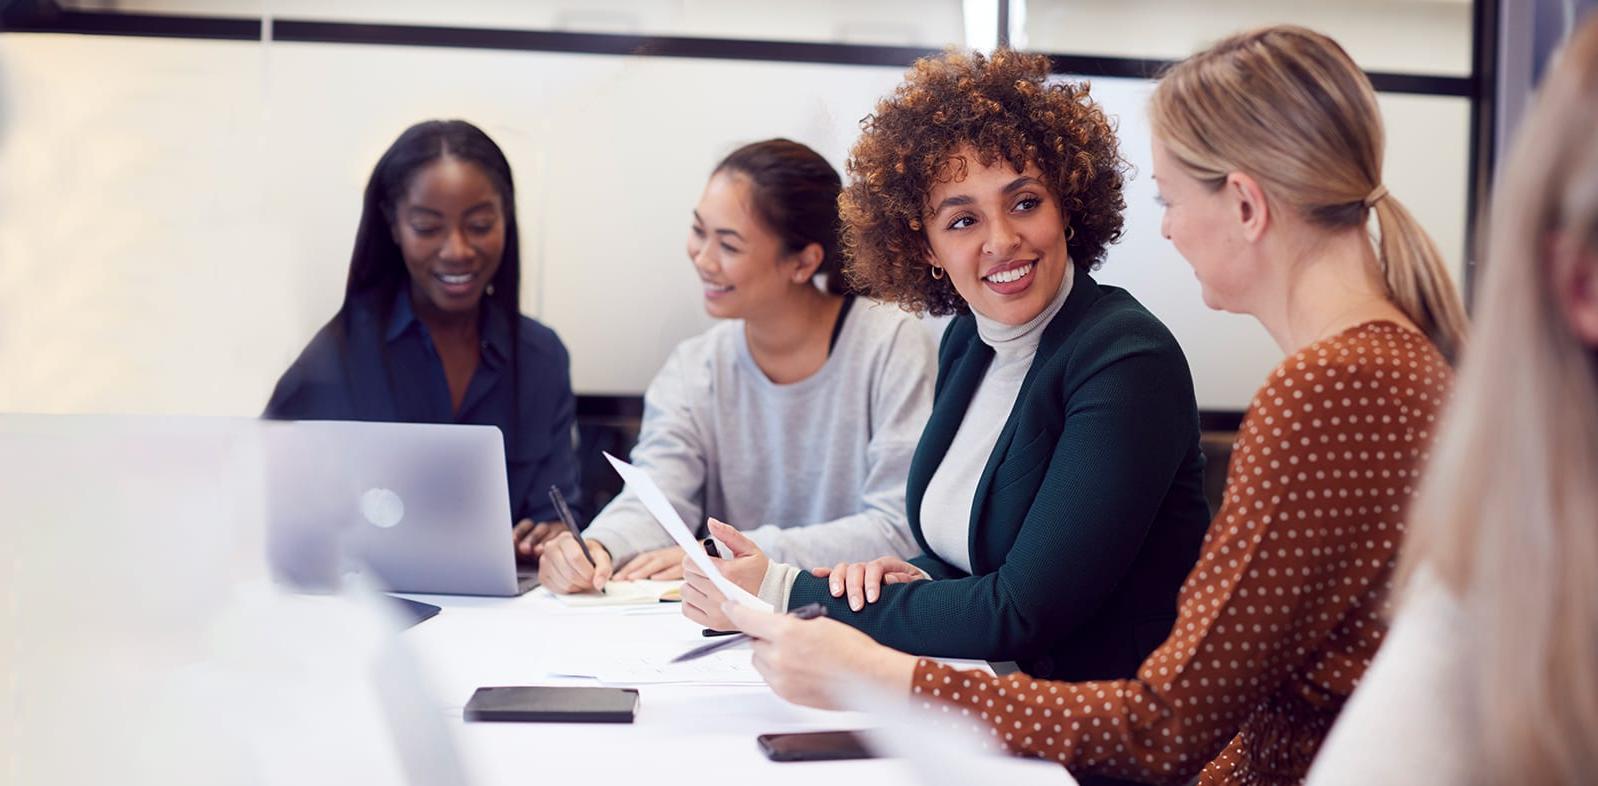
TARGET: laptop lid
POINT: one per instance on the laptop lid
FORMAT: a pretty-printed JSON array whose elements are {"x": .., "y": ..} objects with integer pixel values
[{"x": 419, "y": 507}]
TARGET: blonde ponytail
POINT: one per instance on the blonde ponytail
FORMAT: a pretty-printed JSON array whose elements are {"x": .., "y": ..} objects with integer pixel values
[
  {"x": 1289, "y": 107},
  {"x": 1417, "y": 281}
]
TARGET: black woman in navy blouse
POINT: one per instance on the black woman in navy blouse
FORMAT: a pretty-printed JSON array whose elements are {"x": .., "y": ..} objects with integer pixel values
[{"x": 430, "y": 330}]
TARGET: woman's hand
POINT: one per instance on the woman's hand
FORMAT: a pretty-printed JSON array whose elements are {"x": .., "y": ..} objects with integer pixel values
[
  {"x": 863, "y": 580},
  {"x": 661, "y": 564},
  {"x": 563, "y": 568},
  {"x": 701, "y": 601},
  {"x": 803, "y": 660},
  {"x": 530, "y": 538}
]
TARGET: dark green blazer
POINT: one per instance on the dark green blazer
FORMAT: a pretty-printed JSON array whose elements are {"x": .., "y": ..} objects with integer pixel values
[{"x": 1088, "y": 516}]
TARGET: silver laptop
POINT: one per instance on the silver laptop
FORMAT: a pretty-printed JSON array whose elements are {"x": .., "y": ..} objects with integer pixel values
[{"x": 419, "y": 507}]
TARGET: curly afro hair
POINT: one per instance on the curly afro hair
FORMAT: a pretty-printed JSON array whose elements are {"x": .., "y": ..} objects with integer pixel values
[{"x": 1003, "y": 107}]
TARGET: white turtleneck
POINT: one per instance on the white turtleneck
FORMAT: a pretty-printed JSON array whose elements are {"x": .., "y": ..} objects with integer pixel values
[{"x": 946, "y": 507}]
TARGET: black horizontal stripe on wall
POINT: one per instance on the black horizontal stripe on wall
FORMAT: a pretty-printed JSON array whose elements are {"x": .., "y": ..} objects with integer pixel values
[
  {"x": 1140, "y": 68},
  {"x": 595, "y": 43},
  {"x": 46, "y": 20}
]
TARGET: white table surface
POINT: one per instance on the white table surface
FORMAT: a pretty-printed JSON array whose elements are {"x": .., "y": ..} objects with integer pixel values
[{"x": 684, "y": 734}]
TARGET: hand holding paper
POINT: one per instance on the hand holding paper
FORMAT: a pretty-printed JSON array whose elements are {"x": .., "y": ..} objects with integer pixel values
[
  {"x": 659, "y": 507},
  {"x": 746, "y": 567}
]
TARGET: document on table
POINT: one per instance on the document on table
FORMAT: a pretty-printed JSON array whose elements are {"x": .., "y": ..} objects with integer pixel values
[
  {"x": 624, "y": 593},
  {"x": 727, "y": 667},
  {"x": 655, "y": 500}
]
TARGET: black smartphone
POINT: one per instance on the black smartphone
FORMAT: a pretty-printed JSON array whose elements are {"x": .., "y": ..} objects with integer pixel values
[
  {"x": 814, "y": 746},
  {"x": 553, "y": 704}
]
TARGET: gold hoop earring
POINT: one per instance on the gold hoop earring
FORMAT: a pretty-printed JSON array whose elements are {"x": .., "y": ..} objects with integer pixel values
[
  {"x": 1070, "y": 233},
  {"x": 937, "y": 273}
]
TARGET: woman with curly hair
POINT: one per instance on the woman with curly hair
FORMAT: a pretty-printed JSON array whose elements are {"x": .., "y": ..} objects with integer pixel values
[
  {"x": 1267, "y": 155},
  {"x": 1056, "y": 493}
]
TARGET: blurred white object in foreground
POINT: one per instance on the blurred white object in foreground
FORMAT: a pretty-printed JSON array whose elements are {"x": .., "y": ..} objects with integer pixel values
[
  {"x": 145, "y": 643},
  {"x": 938, "y": 745}
]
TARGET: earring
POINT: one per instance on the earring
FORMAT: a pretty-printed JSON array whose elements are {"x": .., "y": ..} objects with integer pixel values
[
  {"x": 490, "y": 289},
  {"x": 937, "y": 273},
  {"x": 1070, "y": 233}
]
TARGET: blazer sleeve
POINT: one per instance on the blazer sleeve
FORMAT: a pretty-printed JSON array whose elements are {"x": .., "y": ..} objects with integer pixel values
[
  {"x": 934, "y": 567},
  {"x": 1130, "y": 420}
]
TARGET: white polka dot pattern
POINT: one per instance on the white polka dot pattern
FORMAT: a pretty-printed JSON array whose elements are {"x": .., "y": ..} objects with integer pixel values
[{"x": 1284, "y": 609}]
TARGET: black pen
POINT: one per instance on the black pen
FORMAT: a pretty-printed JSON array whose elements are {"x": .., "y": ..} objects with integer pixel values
[
  {"x": 565, "y": 512},
  {"x": 709, "y": 545},
  {"x": 710, "y": 548},
  {"x": 808, "y": 611}
]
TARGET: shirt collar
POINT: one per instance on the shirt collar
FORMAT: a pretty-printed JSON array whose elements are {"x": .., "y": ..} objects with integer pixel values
[
  {"x": 495, "y": 329},
  {"x": 496, "y": 332},
  {"x": 401, "y": 315}
]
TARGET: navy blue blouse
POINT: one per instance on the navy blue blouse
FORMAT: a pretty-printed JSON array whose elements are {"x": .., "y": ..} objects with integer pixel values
[{"x": 376, "y": 362}]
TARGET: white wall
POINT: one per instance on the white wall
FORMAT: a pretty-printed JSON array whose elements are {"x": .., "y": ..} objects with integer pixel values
[
  {"x": 1405, "y": 36},
  {"x": 176, "y": 216}
]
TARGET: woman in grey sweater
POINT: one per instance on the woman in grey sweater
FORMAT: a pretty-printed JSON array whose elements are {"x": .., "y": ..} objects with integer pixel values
[{"x": 796, "y": 416}]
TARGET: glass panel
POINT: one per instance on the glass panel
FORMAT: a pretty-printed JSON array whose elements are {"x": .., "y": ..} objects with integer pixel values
[
  {"x": 920, "y": 23},
  {"x": 1403, "y": 36}
]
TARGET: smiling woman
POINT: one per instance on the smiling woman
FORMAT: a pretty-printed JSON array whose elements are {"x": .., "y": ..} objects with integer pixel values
[
  {"x": 1056, "y": 492},
  {"x": 431, "y": 331},
  {"x": 794, "y": 417}
]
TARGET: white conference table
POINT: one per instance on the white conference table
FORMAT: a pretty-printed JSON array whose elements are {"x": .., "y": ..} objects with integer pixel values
[{"x": 683, "y": 734}]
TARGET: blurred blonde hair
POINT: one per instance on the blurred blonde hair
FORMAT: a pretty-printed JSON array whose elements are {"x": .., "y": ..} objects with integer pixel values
[
  {"x": 1289, "y": 107},
  {"x": 1508, "y": 514}
]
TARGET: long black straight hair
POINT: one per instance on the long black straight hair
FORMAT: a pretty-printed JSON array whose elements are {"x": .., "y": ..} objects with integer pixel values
[{"x": 377, "y": 267}]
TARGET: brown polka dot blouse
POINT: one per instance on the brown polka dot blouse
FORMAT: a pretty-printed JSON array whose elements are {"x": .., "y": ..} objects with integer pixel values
[{"x": 1283, "y": 611}]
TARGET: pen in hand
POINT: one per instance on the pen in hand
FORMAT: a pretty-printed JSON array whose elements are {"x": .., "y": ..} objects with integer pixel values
[
  {"x": 808, "y": 611},
  {"x": 565, "y": 512},
  {"x": 709, "y": 545}
]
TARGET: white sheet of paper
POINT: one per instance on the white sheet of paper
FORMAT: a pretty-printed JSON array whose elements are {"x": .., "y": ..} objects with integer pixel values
[
  {"x": 655, "y": 500},
  {"x": 728, "y": 667}
]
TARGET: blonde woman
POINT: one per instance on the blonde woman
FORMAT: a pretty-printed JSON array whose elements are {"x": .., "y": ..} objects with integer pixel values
[
  {"x": 1490, "y": 674},
  {"x": 1267, "y": 152}
]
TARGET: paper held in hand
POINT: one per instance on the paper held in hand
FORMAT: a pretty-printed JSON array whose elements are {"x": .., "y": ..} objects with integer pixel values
[{"x": 655, "y": 500}]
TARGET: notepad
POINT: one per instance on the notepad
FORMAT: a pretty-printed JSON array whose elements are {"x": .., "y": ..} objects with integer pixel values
[{"x": 625, "y": 593}]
